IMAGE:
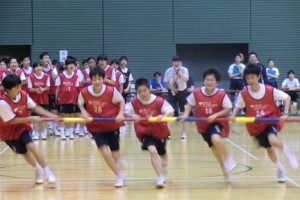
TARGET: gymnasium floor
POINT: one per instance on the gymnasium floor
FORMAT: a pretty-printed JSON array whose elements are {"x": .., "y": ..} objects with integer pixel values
[{"x": 193, "y": 171}]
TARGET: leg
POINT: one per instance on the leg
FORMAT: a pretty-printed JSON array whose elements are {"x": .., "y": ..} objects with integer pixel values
[
  {"x": 155, "y": 160},
  {"x": 219, "y": 149},
  {"x": 29, "y": 158},
  {"x": 107, "y": 155},
  {"x": 181, "y": 97}
]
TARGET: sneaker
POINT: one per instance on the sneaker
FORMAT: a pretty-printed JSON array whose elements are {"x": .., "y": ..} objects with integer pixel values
[
  {"x": 85, "y": 130},
  {"x": 122, "y": 164},
  {"x": 160, "y": 183},
  {"x": 77, "y": 130},
  {"x": 35, "y": 135},
  {"x": 120, "y": 182},
  {"x": 229, "y": 165},
  {"x": 81, "y": 133},
  {"x": 72, "y": 137},
  {"x": 44, "y": 135},
  {"x": 57, "y": 133},
  {"x": 280, "y": 176},
  {"x": 63, "y": 137},
  {"x": 51, "y": 180},
  {"x": 291, "y": 158},
  {"x": 183, "y": 135},
  {"x": 39, "y": 175},
  {"x": 67, "y": 132},
  {"x": 227, "y": 175}
]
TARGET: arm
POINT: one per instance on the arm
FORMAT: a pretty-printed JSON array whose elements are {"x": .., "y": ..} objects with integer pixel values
[
  {"x": 106, "y": 80},
  {"x": 184, "y": 77}
]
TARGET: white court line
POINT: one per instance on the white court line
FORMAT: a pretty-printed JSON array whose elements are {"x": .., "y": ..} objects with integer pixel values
[
  {"x": 255, "y": 158},
  {"x": 292, "y": 182},
  {"x": 3, "y": 150},
  {"x": 240, "y": 148}
]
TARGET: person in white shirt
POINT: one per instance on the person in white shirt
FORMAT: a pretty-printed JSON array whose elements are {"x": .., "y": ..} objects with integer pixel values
[
  {"x": 176, "y": 78},
  {"x": 272, "y": 73},
  {"x": 290, "y": 85}
]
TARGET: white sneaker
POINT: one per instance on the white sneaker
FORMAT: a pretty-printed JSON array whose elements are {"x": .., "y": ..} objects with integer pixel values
[
  {"x": 39, "y": 176},
  {"x": 67, "y": 132},
  {"x": 85, "y": 130},
  {"x": 63, "y": 137},
  {"x": 51, "y": 180},
  {"x": 35, "y": 135},
  {"x": 44, "y": 135},
  {"x": 183, "y": 135},
  {"x": 57, "y": 133},
  {"x": 72, "y": 137},
  {"x": 120, "y": 182},
  {"x": 160, "y": 183},
  {"x": 229, "y": 165},
  {"x": 77, "y": 130},
  {"x": 81, "y": 133},
  {"x": 291, "y": 158},
  {"x": 122, "y": 164},
  {"x": 280, "y": 176}
]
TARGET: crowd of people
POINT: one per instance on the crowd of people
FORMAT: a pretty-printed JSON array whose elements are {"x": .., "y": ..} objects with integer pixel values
[{"x": 101, "y": 89}]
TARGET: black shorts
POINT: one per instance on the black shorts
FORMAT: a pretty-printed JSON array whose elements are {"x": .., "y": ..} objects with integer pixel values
[
  {"x": 212, "y": 129},
  {"x": 77, "y": 110},
  {"x": 46, "y": 107},
  {"x": 178, "y": 99},
  {"x": 111, "y": 139},
  {"x": 66, "y": 108},
  {"x": 160, "y": 144},
  {"x": 19, "y": 145},
  {"x": 52, "y": 102},
  {"x": 263, "y": 139}
]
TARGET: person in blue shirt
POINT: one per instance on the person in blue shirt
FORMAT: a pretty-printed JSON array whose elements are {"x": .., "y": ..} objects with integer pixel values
[
  {"x": 157, "y": 84},
  {"x": 272, "y": 73}
]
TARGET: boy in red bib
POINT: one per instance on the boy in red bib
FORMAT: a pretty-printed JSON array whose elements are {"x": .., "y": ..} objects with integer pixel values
[
  {"x": 66, "y": 94},
  {"x": 259, "y": 101},
  {"x": 211, "y": 103},
  {"x": 100, "y": 100},
  {"x": 15, "y": 126},
  {"x": 38, "y": 86},
  {"x": 152, "y": 135}
]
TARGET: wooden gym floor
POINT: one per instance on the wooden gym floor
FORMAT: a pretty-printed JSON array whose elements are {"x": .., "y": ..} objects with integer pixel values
[{"x": 193, "y": 171}]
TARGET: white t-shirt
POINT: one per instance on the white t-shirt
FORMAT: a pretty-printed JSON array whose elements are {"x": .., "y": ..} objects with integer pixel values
[
  {"x": 117, "y": 97},
  {"x": 166, "y": 107},
  {"x": 225, "y": 104},
  {"x": 290, "y": 83},
  {"x": 6, "y": 112},
  {"x": 171, "y": 77},
  {"x": 113, "y": 74},
  {"x": 235, "y": 69},
  {"x": 80, "y": 76},
  {"x": 58, "y": 81},
  {"x": 121, "y": 79},
  {"x": 277, "y": 94},
  {"x": 274, "y": 72},
  {"x": 22, "y": 75},
  {"x": 29, "y": 83},
  {"x": 54, "y": 73},
  {"x": 124, "y": 70},
  {"x": 28, "y": 70}
]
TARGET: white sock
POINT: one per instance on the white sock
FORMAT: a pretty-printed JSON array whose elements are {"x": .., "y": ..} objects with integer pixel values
[
  {"x": 62, "y": 130},
  {"x": 280, "y": 166}
]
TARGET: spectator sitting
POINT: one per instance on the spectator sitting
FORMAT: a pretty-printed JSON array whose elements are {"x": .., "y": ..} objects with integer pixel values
[
  {"x": 289, "y": 84},
  {"x": 157, "y": 84}
]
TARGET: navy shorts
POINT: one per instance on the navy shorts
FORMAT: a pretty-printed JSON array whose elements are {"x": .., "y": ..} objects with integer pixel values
[
  {"x": 19, "y": 145},
  {"x": 66, "y": 108},
  {"x": 112, "y": 139},
  {"x": 263, "y": 139},
  {"x": 77, "y": 110},
  {"x": 52, "y": 102},
  {"x": 179, "y": 99},
  {"x": 160, "y": 144},
  {"x": 212, "y": 129}
]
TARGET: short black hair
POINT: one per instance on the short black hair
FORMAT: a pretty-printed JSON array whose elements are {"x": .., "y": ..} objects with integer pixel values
[
  {"x": 123, "y": 58},
  {"x": 5, "y": 60},
  {"x": 44, "y": 54},
  {"x": 70, "y": 60},
  {"x": 176, "y": 58},
  {"x": 212, "y": 71},
  {"x": 13, "y": 57},
  {"x": 142, "y": 82},
  {"x": 36, "y": 64},
  {"x": 84, "y": 61},
  {"x": 60, "y": 67},
  {"x": 10, "y": 81},
  {"x": 238, "y": 54},
  {"x": 23, "y": 57},
  {"x": 90, "y": 58},
  {"x": 156, "y": 73},
  {"x": 102, "y": 57},
  {"x": 252, "y": 53},
  {"x": 114, "y": 61},
  {"x": 54, "y": 62},
  {"x": 252, "y": 69},
  {"x": 97, "y": 71},
  {"x": 270, "y": 60},
  {"x": 290, "y": 72}
]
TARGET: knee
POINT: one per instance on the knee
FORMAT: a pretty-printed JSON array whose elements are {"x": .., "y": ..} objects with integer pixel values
[
  {"x": 152, "y": 150},
  {"x": 216, "y": 140}
]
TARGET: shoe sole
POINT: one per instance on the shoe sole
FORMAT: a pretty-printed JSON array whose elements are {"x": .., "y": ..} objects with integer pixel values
[
  {"x": 280, "y": 181},
  {"x": 160, "y": 186}
]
